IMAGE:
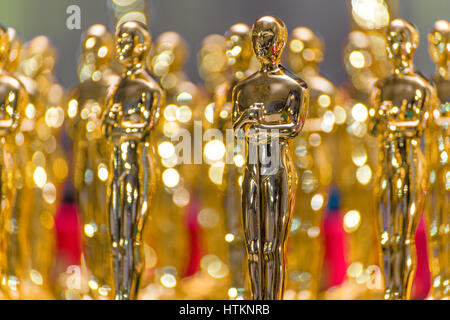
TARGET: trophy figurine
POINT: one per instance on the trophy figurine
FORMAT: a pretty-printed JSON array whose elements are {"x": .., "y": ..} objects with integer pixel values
[
  {"x": 400, "y": 108},
  {"x": 238, "y": 36},
  {"x": 312, "y": 164},
  {"x": 437, "y": 146},
  {"x": 85, "y": 109},
  {"x": 41, "y": 165},
  {"x": 18, "y": 252},
  {"x": 269, "y": 110},
  {"x": 168, "y": 234},
  {"x": 13, "y": 99},
  {"x": 132, "y": 112}
]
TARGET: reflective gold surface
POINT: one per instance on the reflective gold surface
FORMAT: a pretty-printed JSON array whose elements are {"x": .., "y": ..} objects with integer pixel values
[
  {"x": 270, "y": 106},
  {"x": 208, "y": 275},
  {"x": 312, "y": 158},
  {"x": 167, "y": 237},
  {"x": 43, "y": 165},
  {"x": 364, "y": 60},
  {"x": 85, "y": 108},
  {"x": 400, "y": 109},
  {"x": 239, "y": 55},
  {"x": 355, "y": 169},
  {"x": 13, "y": 99},
  {"x": 133, "y": 108},
  {"x": 174, "y": 179},
  {"x": 212, "y": 59},
  {"x": 437, "y": 150},
  {"x": 19, "y": 251}
]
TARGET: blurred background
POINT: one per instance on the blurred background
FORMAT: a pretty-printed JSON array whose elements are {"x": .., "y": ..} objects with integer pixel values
[{"x": 195, "y": 19}]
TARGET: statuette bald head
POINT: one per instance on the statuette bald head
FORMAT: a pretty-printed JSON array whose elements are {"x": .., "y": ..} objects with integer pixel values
[
  {"x": 269, "y": 36},
  {"x": 133, "y": 41}
]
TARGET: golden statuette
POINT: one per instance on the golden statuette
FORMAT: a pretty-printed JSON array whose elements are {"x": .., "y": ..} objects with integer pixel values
[
  {"x": 400, "y": 108},
  {"x": 42, "y": 165},
  {"x": 313, "y": 159},
  {"x": 85, "y": 109},
  {"x": 437, "y": 150},
  {"x": 13, "y": 99},
  {"x": 269, "y": 109},
  {"x": 239, "y": 60},
  {"x": 168, "y": 235},
  {"x": 132, "y": 112}
]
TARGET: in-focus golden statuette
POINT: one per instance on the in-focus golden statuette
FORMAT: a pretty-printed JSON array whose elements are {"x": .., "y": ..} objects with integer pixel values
[
  {"x": 13, "y": 99},
  {"x": 85, "y": 109},
  {"x": 132, "y": 112},
  {"x": 400, "y": 108},
  {"x": 437, "y": 150},
  {"x": 269, "y": 110}
]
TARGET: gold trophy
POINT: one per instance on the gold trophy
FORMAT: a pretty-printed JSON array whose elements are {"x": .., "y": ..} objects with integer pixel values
[
  {"x": 41, "y": 164},
  {"x": 212, "y": 62},
  {"x": 359, "y": 160},
  {"x": 270, "y": 108},
  {"x": 353, "y": 170},
  {"x": 18, "y": 253},
  {"x": 208, "y": 273},
  {"x": 84, "y": 111},
  {"x": 22, "y": 155},
  {"x": 239, "y": 54},
  {"x": 132, "y": 112},
  {"x": 400, "y": 108},
  {"x": 167, "y": 236},
  {"x": 313, "y": 157},
  {"x": 437, "y": 148},
  {"x": 13, "y": 99},
  {"x": 365, "y": 62}
]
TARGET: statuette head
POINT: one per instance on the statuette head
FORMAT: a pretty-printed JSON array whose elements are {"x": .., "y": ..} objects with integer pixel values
[
  {"x": 305, "y": 49},
  {"x": 133, "y": 41},
  {"x": 402, "y": 40},
  {"x": 15, "y": 50},
  {"x": 269, "y": 36},
  {"x": 39, "y": 56},
  {"x": 170, "y": 52},
  {"x": 98, "y": 45},
  {"x": 239, "y": 46},
  {"x": 4, "y": 45},
  {"x": 439, "y": 43}
]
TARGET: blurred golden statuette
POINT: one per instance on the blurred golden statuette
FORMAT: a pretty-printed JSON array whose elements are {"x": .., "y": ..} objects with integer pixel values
[
  {"x": 167, "y": 237},
  {"x": 312, "y": 158},
  {"x": 85, "y": 108},
  {"x": 239, "y": 57},
  {"x": 13, "y": 99},
  {"x": 437, "y": 150},
  {"x": 42, "y": 161}
]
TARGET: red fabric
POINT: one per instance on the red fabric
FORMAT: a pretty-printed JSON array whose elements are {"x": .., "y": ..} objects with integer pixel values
[
  {"x": 194, "y": 231},
  {"x": 68, "y": 233},
  {"x": 335, "y": 265},
  {"x": 422, "y": 281}
]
